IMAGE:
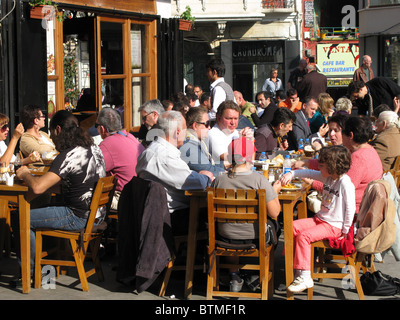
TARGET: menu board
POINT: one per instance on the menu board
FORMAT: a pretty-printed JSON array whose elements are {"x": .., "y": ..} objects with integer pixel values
[{"x": 308, "y": 14}]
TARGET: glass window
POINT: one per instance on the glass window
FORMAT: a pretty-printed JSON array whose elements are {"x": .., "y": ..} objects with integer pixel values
[
  {"x": 392, "y": 58},
  {"x": 139, "y": 50},
  {"x": 140, "y": 93},
  {"x": 111, "y": 48}
]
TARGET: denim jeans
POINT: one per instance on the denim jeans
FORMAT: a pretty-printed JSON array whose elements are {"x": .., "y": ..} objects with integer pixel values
[{"x": 61, "y": 218}]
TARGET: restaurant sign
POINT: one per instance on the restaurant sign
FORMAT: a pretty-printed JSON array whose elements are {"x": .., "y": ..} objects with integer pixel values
[
  {"x": 258, "y": 51},
  {"x": 338, "y": 59}
]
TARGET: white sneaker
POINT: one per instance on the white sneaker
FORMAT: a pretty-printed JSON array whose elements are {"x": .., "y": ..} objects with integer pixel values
[{"x": 300, "y": 284}]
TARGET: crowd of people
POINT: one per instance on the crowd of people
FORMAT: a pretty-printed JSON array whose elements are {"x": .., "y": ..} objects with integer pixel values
[{"x": 198, "y": 138}]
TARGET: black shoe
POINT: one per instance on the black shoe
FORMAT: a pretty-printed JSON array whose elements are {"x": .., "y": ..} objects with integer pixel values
[{"x": 17, "y": 283}]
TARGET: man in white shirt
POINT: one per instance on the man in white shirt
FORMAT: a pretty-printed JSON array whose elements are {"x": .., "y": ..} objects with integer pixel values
[
  {"x": 220, "y": 90},
  {"x": 161, "y": 162},
  {"x": 225, "y": 130}
]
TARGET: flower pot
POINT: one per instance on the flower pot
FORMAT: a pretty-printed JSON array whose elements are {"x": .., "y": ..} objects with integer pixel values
[
  {"x": 39, "y": 12},
  {"x": 185, "y": 25}
]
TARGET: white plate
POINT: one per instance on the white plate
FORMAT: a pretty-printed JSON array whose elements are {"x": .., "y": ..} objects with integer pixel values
[{"x": 298, "y": 187}]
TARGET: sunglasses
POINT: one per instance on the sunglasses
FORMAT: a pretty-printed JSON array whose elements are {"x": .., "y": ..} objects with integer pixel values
[
  {"x": 4, "y": 127},
  {"x": 206, "y": 124},
  {"x": 145, "y": 117}
]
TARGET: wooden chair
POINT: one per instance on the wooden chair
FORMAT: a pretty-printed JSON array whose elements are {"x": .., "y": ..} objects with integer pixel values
[
  {"x": 79, "y": 240},
  {"x": 241, "y": 206},
  {"x": 5, "y": 228},
  {"x": 351, "y": 266}
]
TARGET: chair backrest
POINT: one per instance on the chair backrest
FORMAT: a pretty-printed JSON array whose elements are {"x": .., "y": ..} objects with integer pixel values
[
  {"x": 227, "y": 205},
  {"x": 376, "y": 230},
  {"x": 102, "y": 198}
]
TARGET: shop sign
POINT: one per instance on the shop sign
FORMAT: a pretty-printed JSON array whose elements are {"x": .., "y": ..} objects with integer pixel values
[
  {"x": 257, "y": 51},
  {"x": 338, "y": 59}
]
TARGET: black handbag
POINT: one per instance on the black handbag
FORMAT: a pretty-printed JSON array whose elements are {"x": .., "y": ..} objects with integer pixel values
[{"x": 379, "y": 284}]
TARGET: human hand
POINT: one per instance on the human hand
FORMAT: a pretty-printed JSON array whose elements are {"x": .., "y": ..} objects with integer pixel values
[
  {"x": 247, "y": 132},
  {"x": 208, "y": 174},
  {"x": 277, "y": 186},
  {"x": 19, "y": 130},
  {"x": 286, "y": 178},
  {"x": 323, "y": 130},
  {"x": 343, "y": 236},
  {"x": 21, "y": 172},
  {"x": 252, "y": 109},
  {"x": 284, "y": 144},
  {"x": 298, "y": 165},
  {"x": 308, "y": 180}
]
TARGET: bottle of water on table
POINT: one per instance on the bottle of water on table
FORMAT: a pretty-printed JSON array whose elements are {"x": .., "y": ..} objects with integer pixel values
[{"x": 287, "y": 164}]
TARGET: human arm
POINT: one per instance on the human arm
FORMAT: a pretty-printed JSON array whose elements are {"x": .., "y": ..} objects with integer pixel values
[
  {"x": 7, "y": 156},
  {"x": 30, "y": 144}
]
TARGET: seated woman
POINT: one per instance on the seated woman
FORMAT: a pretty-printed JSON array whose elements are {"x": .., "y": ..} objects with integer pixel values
[
  {"x": 325, "y": 111},
  {"x": 386, "y": 143},
  {"x": 241, "y": 153},
  {"x": 34, "y": 139},
  {"x": 195, "y": 147},
  {"x": 7, "y": 152}
]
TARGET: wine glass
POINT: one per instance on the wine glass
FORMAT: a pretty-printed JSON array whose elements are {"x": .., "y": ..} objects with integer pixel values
[{"x": 17, "y": 162}]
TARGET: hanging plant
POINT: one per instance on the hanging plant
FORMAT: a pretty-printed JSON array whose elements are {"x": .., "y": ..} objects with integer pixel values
[
  {"x": 70, "y": 89},
  {"x": 186, "y": 20},
  {"x": 38, "y": 10}
]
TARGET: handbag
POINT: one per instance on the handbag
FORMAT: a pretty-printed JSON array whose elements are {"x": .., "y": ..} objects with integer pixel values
[
  {"x": 379, "y": 284},
  {"x": 314, "y": 201}
]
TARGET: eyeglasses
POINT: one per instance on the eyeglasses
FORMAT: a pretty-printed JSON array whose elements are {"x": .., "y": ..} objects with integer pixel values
[
  {"x": 42, "y": 116},
  {"x": 4, "y": 127},
  {"x": 145, "y": 117},
  {"x": 206, "y": 124}
]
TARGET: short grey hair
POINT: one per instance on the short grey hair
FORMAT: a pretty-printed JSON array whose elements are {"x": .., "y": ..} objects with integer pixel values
[
  {"x": 169, "y": 121},
  {"x": 151, "y": 106},
  {"x": 110, "y": 119},
  {"x": 391, "y": 118},
  {"x": 343, "y": 104}
]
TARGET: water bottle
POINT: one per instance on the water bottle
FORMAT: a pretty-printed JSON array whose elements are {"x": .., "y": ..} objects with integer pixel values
[
  {"x": 287, "y": 164},
  {"x": 307, "y": 143},
  {"x": 301, "y": 144},
  {"x": 263, "y": 157}
]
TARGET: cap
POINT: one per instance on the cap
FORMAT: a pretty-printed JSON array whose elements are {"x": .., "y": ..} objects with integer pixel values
[{"x": 241, "y": 150}]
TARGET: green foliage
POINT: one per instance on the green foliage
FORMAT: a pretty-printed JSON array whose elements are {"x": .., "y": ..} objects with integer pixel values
[
  {"x": 187, "y": 14},
  {"x": 70, "y": 69},
  {"x": 35, "y": 3}
]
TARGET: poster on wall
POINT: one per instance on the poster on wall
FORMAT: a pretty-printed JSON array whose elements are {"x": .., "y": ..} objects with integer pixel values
[{"x": 338, "y": 59}]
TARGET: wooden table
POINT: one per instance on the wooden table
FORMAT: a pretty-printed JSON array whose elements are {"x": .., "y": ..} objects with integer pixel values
[
  {"x": 17, "y": 193},
  {"x": 288, "y": 199}
]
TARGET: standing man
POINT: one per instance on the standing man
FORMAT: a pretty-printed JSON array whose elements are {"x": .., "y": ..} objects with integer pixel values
[
  {"x": 364, "y": 73},
  {"x": 296, "y": 76},
  {"x": 301, "y": 126},
  {"x": 220, "y": 90},
  {"x": 120, "y": 149},
  {"x": 313, "y": 84},
  {"x": 368, "y": 96},
  {"x": 244, "y": 105},
  {"x": 267, "y": 103}
]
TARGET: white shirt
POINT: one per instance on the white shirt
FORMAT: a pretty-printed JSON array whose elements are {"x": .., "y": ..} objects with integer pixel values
[
  {"x": 219, "y": 141},
  {"x": 338, "y": 199},
  {"x": 219, "y": 96},
  {"x": 161, "y": 162},
  {"x": 3, "y": 149}
]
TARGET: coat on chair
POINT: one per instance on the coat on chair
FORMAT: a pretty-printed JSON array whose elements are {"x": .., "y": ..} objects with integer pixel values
[{"x": 145, "y": 239}]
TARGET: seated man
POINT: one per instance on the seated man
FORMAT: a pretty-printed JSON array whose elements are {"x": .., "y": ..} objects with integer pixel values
[
  {"x": 266, "y": 137},
  {"x": 292, "y": 101},
  {"x": 267, "y": 103},
  {"x": 120, "y": 149},
  {"x": 225, "y": 130},
  {"x": 149, "y": 111},
  {"x": 161, "y": 162},
  {"x": 194, "y": 150}
]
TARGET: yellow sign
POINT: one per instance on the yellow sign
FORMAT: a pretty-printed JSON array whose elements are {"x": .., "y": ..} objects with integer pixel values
[
  {"x": 334, "y": 82},
  {"x": 338, "y": 59}
]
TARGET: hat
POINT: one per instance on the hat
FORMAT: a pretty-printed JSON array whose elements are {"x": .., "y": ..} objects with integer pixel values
[{"x": 241, "y": 150}]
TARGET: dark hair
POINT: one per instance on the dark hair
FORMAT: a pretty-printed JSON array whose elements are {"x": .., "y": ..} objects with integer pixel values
[
  {"x": 308, "y": 99},
  {"x": 204, "y": 97},
  {"x": 291, "y": 92},
  {"x": 382, "y": 107},
  {"x": 192, "y": 96},
  {"x": 337, "y": 158},
  {"x": 217, "y": 65},
  {"x": 280, "y": 94},
  {"x": 265, "y": 93},
  {"x": 354, "y": 87},
  {"x": 71, "y": 135},
  {"x": 227, "y": 104},
  {"x": 28, "y": 115},
  {"x": 194, "y": 115},
  {"x": 339, "y": 118},
  {"x": 360, "y": 126},
  {"x": 282, "y": 115}
]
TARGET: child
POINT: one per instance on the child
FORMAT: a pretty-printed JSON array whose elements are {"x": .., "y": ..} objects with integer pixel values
[
  {"x": 241, "y": 154},
  {"x": 335, "y": 216}
]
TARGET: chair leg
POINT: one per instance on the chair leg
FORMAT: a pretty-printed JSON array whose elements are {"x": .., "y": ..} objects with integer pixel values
[
  {"x": 38, "y": 257},
  {"x": 79, "y": 258},
  {"x": 167, "y": 276},
  {"x": 310, "y": 291},
  {"x": 94, "y": 246},
  {"x": 212, "y": 280},
  {"x": 354, "y": 271}
]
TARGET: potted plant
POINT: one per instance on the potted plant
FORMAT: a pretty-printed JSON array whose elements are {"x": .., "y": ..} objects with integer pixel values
[
  {"x": 186, "y": 20},
  {"x": 39, "y": 10},
  {"x": 323, "y": 34},
  {"x": 346, "y": 34}
]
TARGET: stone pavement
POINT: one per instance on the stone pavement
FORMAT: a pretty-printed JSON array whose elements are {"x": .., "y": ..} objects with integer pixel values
[{"x": 68, "y": 286}]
